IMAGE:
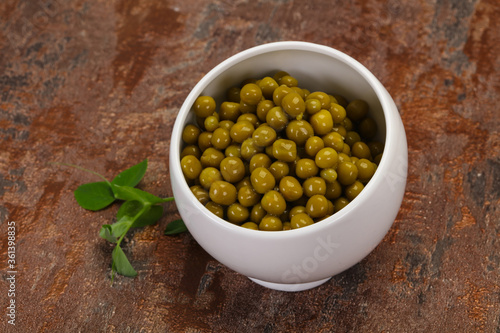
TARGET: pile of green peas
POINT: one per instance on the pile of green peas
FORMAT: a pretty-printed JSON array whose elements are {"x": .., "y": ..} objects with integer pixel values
[{"x": 274, "y": 156}]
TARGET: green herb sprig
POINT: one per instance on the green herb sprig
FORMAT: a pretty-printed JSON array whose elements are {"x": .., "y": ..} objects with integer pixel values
[{"x": 139, "y": 209}]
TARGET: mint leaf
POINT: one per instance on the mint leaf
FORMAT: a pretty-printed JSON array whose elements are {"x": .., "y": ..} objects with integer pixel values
[
  {"x": 127, "y": 215},
  {"x": 94, "y": 196},
  {"x": 150, "y": 217},
  {"x": 107, "y": 233},
  {"x": 121, "y": 263},
  {"x": 112, "y": 232},
  {"x": 132, "y": 176},
  {"x": 129, "y": 208},
  {"x": 139, "y": 209},
  {"x": 175, "y": 227}
]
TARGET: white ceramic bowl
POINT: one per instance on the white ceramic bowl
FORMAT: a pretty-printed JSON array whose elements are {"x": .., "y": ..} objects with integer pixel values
[{"x": 307, "y": 257}]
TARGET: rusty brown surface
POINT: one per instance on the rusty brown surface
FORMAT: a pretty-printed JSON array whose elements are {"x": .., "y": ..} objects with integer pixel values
[{"x": 98, "y": 84}]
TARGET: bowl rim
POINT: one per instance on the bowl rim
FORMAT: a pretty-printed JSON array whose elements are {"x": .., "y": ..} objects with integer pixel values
[{"x": 387, "y": 106}]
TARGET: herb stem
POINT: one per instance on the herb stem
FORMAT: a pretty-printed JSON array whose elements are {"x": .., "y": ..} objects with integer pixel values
[
  {"x": 118, "y": 242},
  {"x": 139, "y": 208},
  {"x": 83, "y": 169},
  {"x": 144, "y": 208}
]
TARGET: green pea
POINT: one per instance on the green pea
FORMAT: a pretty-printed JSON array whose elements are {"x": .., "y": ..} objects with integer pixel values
[
  {"x": 251, "y": 94},
  {"x": 204, "y": 106}
]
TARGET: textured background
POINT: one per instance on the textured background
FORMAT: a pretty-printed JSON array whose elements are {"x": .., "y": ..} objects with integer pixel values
[{"x": 98, "y": 83}]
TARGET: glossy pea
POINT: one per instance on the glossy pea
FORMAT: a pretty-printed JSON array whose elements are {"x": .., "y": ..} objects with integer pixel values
[
  {"x": 347, "y": 173},
  {"x": 270, "y": 223},
  {"x": 277, "y": 118},
  {"x": 313, "y": 186},
  {"x": 248, "y": 197},
  {"x": 262, "y": 180},
  {"x": 223, "y": 193},
  {"x": 191, "y": 167},
  {"x": 285, "y": 150},
  {"x": 215, "y": 208},
  {"x": 267, "y": 85},
  {"x": 317, "y": 206},
  {"x": 200, "y": 193},
  {"x": 237, "y": 213},
  {"x": 293, "y": 104},
  {"x": 273, "y": 202},
  {"x": 322, "y": 97},
  {"x": 301, "y": 220},
  {"x": 229, "y": 111},
  {"x": 204, "y": 106},
  {"x": 299, "y": 131},
  {"x": 279, "y": 170},
  {"x": 220, "y": 139},
  {"x": 321, "y": 122},
  {"x": 241, "y": 131},
  {"x": 291, "y": 188},
  {"x": 264, "y": 136},
  {"x": 232, "y": 169},
  {"x": 190, "y": 134},
  {"x": 208, "y": 176},
  {"x": 305, "y": 168},
  {"x": 211, "y": 157},
  {"x": 353, "y": 190},
  {"x": 313, "y": 145},
  {"x": 326, "y": 158},
  {"x": 251, "y": 94}
]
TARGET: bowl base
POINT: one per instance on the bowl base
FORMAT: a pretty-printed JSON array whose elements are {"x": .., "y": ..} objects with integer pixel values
[{"x": 290, "y": 286}]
